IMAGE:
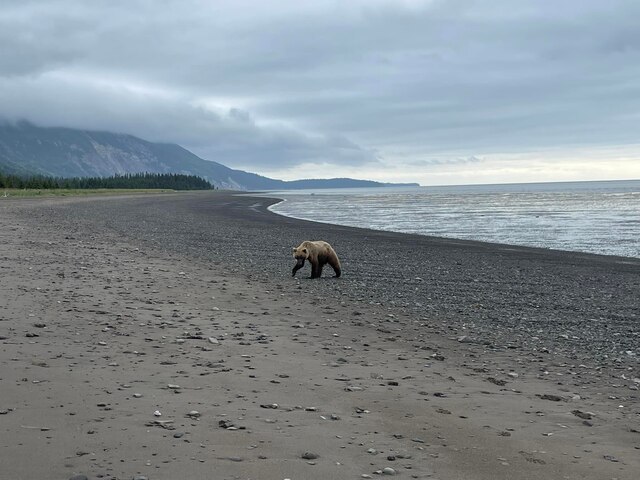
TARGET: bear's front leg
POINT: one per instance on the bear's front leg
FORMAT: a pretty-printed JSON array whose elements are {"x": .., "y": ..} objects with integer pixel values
[
  {"x": 298, "y": 266},
  {"x": 314, "y": 270}
]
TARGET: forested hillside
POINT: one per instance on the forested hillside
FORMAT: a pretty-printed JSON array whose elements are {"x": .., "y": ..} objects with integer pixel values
[{"x": 170, "y": 181}]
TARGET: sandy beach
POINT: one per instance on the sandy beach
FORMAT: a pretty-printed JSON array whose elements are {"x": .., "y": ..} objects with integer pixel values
[{"x": 163, "y": 337}]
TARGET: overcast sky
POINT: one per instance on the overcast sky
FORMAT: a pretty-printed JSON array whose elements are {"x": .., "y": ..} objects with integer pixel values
[{"x": 438, "y": 92}]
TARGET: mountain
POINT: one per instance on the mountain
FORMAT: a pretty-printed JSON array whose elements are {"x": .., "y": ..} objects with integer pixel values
[{"x": 65, "y": 152}]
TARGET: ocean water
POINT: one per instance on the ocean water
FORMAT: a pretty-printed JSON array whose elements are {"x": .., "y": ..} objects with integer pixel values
[{"x": 595, "y": 217}]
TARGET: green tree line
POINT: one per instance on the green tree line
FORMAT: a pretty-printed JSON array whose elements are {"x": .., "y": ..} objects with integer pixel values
[{"x": 173, "y": 181}]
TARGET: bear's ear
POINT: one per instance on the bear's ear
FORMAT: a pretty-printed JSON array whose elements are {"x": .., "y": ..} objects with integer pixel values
[
  {"x": 304, "y": 250},
  {"x": 294, "y": 249}
]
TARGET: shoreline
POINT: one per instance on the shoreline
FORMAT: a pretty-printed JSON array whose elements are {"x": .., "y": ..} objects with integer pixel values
[
  {"x": 130, "y": 290},
  {"x": 259, "y": 195},
  {"x": 452, "y": 240},
  {"x": 352, "y": 221},
  {"x": 470, "y": 242}
]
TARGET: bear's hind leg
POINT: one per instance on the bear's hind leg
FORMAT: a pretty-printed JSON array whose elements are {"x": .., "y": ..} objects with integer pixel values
[
  {"x": 335, "y": 264},
  {"x": 337, "y": 270}
]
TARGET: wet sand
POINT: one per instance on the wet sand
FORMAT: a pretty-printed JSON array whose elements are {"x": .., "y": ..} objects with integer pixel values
[{"x": 430, "y": 358}]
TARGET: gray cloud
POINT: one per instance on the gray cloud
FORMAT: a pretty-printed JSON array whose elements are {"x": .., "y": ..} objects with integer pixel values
[
  {"x": 229, "y": 136},
  {"x": 276, "y": 84}
]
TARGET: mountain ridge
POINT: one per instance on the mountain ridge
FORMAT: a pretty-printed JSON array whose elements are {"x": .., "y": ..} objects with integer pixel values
[{"x": 66, "y": 152}]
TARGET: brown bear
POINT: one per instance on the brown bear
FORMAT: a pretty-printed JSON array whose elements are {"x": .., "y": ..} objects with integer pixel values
[{"x": 318, "y": 253}]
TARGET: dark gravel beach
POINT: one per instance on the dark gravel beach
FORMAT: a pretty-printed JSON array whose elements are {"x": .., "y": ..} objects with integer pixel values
[{"x": 585, "y": 307}]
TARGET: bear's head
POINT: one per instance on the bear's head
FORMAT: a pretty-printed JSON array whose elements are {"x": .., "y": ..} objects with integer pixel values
[{"x": 300, "y": 253}]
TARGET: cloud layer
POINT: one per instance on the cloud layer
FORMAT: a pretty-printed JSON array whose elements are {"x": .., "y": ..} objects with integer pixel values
[{"x": 408, "y": 88}]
